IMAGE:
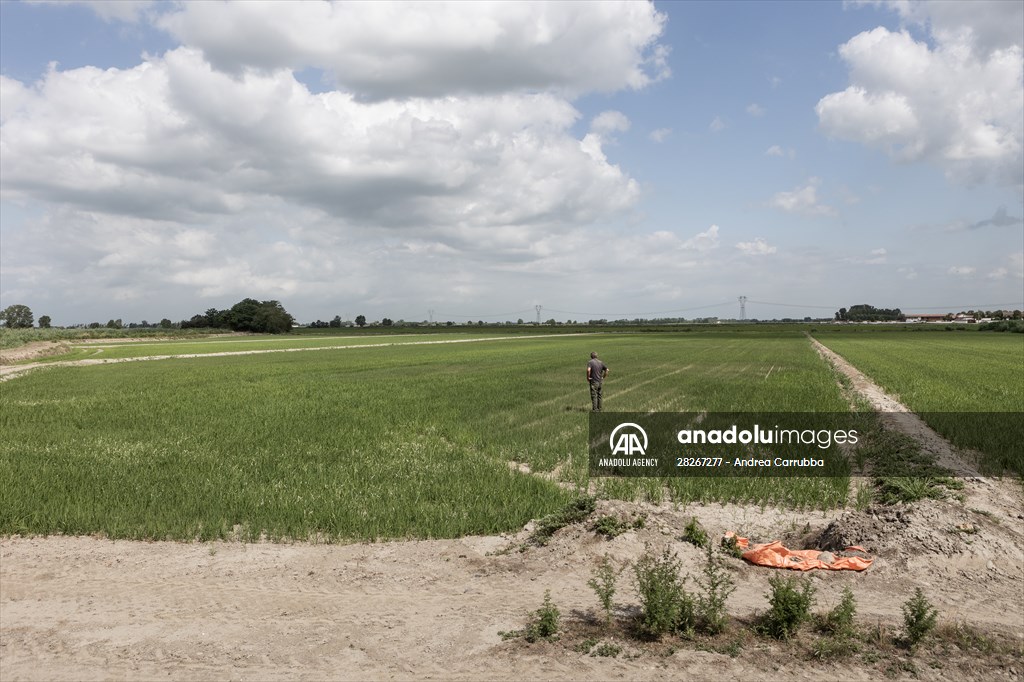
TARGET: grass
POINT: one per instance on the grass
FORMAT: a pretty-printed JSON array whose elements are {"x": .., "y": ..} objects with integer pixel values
[{"x": 390, "y": 442}]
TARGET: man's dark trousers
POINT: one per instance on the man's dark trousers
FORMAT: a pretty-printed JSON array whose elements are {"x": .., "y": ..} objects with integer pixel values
[{"x": 595, "y": 394}]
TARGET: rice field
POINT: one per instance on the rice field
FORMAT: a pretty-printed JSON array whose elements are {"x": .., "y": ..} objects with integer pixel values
[
  {"x": 397, "y": 441},
  {"x": 967, "y": 386}
]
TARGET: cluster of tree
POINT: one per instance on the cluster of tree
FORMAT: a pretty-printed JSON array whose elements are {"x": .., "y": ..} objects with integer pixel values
[
  {"x": 19, "y": 316},
  {"x": 991, "y": 314},
  {"x": 320, "y": 324},
  {"x": 869, "y": 313},
  {"x": 248, "y": 315}
]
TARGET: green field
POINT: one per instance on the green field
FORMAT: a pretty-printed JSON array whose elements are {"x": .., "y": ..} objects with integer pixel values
[
  {"x": 114, "y": 350},
  {"x": 396, "y": 441},
  {"x": 943, "y": 376}
]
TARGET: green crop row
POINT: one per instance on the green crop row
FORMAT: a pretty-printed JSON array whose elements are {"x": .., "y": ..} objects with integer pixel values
[{"x": 397, "y": 441}]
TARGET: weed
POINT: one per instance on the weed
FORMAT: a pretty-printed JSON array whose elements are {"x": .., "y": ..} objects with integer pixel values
[
  {"x": 607, "y": 649},
  {"x": 791, "y": 600},
  {"x": 839, "y": 621},
  {"x": 577, "y": 510},
  {"x": 610, "y": 526},
  {"x": 665, "y": 606},
  {"x": 603, "y": 584},
  {"x": 919, "y": 618},
  {"x": 695, "y": 534},
  {"x": 831, "y": 648},
  {"x": 545, "y": 622},
  {"x": 640, "y": 521},
  {"x": 585, "y": 646},
  {"x": 716, "y": 586},
  {"x": 731, "y": 546}
]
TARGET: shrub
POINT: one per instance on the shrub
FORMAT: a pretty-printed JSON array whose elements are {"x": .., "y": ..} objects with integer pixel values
[
  {"x": 610, "y": 526},
  {"x": 545, "y": 623},
  {"x": 603, "y": 584},
  {"x": 695, "y": 534},
  {"x": 790, "y": 606},
  {"x": 919, "y": 618},
  {"x": 716, "y": 586},
  {"x": 839, "y": 621},
  {"x": 665, "y": 605}
]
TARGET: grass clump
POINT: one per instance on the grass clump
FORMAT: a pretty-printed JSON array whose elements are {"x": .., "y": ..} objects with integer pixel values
[
  {"x": 695, "y": 534},
  {"x": 603, "y": 584},
  {"x": 716, "y": 585},
  {"x": 665, "y": 606},
  {"x": 919, "y": 617},
  {"x": 574, "y": 512},
  {"x": 791, "y": 600}
]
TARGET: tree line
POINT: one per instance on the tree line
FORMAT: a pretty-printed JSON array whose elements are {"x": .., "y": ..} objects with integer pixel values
[{"x": 248, "y": 315}]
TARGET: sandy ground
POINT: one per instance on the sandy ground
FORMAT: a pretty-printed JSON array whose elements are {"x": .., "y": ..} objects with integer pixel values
[{"x": 74, "y": 608}]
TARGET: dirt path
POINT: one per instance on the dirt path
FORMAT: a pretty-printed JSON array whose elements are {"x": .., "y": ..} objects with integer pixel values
[{"x": 74, "y": 608}]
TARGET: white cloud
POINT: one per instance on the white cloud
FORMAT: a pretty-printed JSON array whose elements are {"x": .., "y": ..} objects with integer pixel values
[
  {"x": 776, "y": 150},
  {"x": 174, "y": 139},
  {"x": 109, "y": 10},
  {"x": 717, "y": 125},
  {"x": 391, "y": 49},
  {"x": 985, "y": 25},
  {"x": 608, "y": 122},
  {"x": 959, "y": 104},
  {"x": 908, "y": 273},
  {"x": 660, "y": 134},
  {"x": 998, "y": 273},
  {"x": 961, "y": 270},
  {"x": 758, "y": 247},
  {"x": 755, "y": 110},
  {"x": 802, "y": 200}
]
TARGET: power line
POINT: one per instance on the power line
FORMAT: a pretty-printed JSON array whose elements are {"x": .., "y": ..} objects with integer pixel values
[{"x": 635, "y": 314}]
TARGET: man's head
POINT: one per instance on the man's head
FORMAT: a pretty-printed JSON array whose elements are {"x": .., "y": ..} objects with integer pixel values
[{"x": 593, "y": 355}]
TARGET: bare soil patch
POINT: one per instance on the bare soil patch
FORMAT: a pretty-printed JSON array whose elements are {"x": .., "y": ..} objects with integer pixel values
[{"x": 30, "y": 351}]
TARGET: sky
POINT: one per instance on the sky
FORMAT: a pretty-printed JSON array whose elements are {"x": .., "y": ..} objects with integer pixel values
[{"x": 464, "y": 161}]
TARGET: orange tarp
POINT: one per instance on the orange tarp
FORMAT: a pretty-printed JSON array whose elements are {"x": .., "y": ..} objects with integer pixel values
[{"x": 773, "y": 554}]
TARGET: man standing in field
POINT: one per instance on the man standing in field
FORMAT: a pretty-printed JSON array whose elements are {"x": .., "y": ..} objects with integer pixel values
[{"x": 596, "y": 372}]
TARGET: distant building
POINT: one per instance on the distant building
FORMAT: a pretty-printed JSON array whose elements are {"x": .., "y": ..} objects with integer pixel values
[{"x": 927, "y": 317}]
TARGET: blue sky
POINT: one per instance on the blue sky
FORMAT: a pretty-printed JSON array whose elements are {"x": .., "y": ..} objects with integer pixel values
[{"x": 599, "y": 159}]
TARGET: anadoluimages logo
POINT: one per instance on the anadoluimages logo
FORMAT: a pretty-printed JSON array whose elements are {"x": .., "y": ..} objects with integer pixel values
[{"x": 628, "y": 442}]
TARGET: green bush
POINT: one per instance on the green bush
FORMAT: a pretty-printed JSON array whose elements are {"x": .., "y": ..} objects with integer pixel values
[
  {"x": 791, "y": 600},
  {"x": 919, "y": 618},
  {"x": 716, "y": 586},
  {"x": 545, "y": 622},
  {"x": 839, "y": 621},
  {"x": 695, "y": 534},
  {"x": 665, "y": 605},
  {"x": 603, "y": 584},
  {"x": 610, "y": 526}
]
